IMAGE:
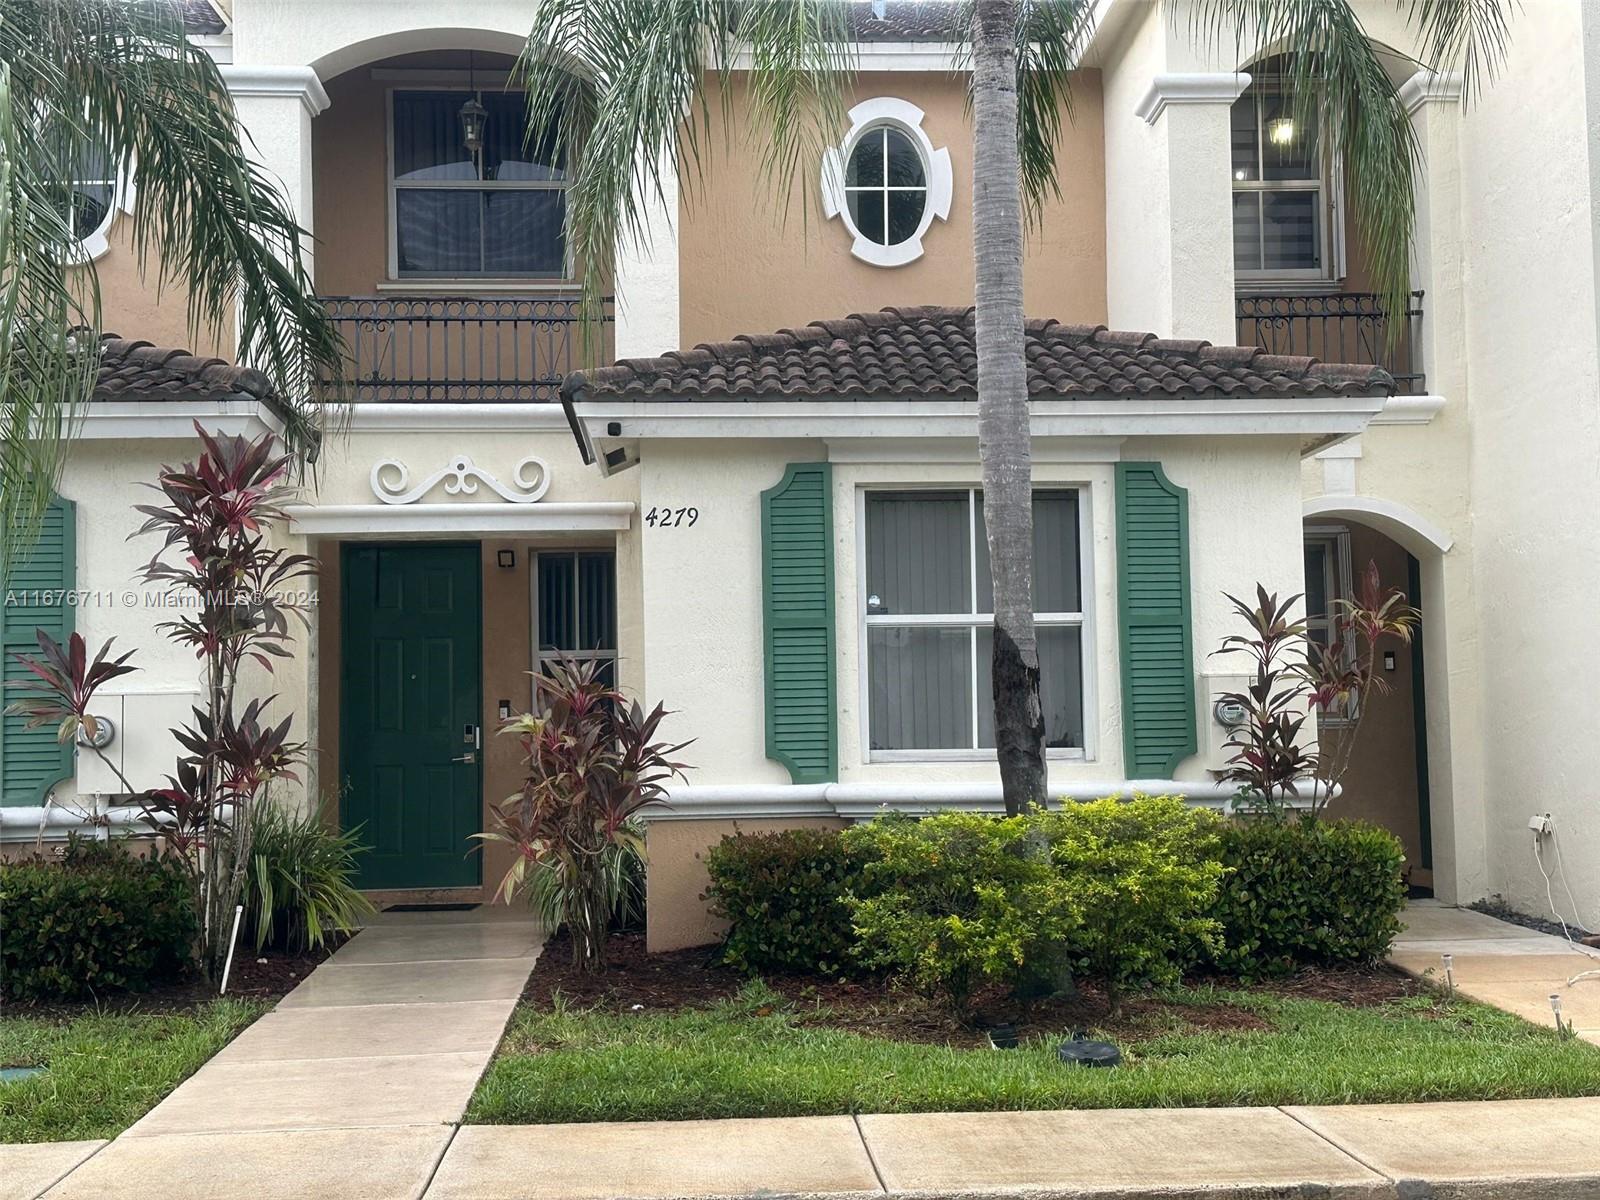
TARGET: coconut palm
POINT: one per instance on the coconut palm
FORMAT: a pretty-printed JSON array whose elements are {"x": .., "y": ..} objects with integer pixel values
[
  {"x": 630, "y": 89},
  {"x": 116, "y": 83}
]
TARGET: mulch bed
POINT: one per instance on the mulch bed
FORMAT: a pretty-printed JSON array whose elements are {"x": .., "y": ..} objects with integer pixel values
[
  {"x": 267, "y": 976},
  {"x": 635, "y": 981}
]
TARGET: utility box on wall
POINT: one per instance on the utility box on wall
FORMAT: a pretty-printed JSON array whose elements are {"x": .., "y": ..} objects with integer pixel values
[
  {"x": 142, "y": 746},
  {"x": 1216, "y": 726}
]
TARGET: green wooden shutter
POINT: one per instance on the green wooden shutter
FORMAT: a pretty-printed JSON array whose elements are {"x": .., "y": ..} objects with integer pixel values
[
  {"x": 797, "y": 615},
  {"x": 31, "y": 760},
  {"x": 1158, "y": 703}
]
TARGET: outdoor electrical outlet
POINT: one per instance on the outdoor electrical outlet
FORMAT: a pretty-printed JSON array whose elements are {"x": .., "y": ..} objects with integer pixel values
[{"x": 1541, "y": 824}]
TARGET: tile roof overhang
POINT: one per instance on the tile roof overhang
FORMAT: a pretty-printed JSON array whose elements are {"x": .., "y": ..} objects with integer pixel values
[
  {"x": 870, "y": 368},
  {"x": 147, "y": 390}
]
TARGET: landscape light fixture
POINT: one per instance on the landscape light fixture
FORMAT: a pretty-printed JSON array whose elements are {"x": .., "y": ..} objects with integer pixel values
[
  {"x": 1449, "y": 975},
  {"x": 473, "y": 115}
]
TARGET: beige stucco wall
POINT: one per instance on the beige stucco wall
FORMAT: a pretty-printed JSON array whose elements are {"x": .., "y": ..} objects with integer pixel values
[
  {"x": 744, "y": 268},
  {"x": 676, "y": 876},
  {"x": 1381, "y": 785}
]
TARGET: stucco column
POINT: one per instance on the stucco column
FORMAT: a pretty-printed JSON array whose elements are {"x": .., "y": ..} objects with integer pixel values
[
  {"x": 645, "y": 280},
  {"x": 275, "y": 106},
  {"x": 1450, "y": 604},
  {"x": 1169, "y": 206}
]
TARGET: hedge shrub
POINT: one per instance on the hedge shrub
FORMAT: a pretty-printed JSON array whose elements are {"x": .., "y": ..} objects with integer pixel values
[
  {"x": 959, "y": 899},
  {"x": 783, "y": 896},
  {"x": 1303, "y": 892},
  {"x": 1145, "y": 874},
  {"x": 99, "y": 920}
]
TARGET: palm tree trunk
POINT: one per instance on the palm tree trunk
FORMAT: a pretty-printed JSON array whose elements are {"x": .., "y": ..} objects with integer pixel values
[{"x": 1003, "y": 435}]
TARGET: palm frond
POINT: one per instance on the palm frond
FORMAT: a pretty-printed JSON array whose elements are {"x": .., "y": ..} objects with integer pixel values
[
  {"x": 621, "y": 88},
  {"x": 119, "y": 78},
  {"x": 1051, "y": 38},
  {"x": 1337, "y": 75},
  {"x": 1469, "y": 36},
  {"x": 49, "y": 336}
]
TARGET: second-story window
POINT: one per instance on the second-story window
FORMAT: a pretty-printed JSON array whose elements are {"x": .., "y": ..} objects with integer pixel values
[
  {"x": 496, "y": 211},
  {"x": 886, "y": 186},
  {"x": 1280, "y": 185}
]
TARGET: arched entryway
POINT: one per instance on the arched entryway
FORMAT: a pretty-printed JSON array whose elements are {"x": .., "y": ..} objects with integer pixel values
[{"x": 1398, "y": 775}]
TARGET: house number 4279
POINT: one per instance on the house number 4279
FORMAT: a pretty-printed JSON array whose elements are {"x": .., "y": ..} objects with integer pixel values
[{"x": 670, "y": 518}]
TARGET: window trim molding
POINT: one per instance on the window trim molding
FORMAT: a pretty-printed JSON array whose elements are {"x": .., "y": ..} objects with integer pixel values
[
  {"x": 395, "y": 281},
  {"x": 537, "y": 656},
  {"x": 1329, "y": 188},
  {"x": 1085, "y": 621},
  {"x": 887, "y": 112}
]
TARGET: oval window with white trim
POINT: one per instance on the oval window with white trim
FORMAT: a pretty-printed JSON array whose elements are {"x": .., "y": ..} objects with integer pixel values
[
  {"x": 886, "y": 182},
  {"x": 887, "y": 186}
]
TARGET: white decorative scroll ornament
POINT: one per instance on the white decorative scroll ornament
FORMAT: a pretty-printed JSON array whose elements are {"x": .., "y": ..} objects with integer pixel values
[{"x": 530, "y": 481}]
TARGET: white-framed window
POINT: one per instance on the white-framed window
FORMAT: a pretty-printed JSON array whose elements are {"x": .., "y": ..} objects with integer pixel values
[
  {"x": 1284, "y": 226},
  {"x": 575, "y": 609},
  {"x": 454, "y": 213},
  {"x": 1328, "y": 581},
  {"x": 886, "y": 182},
  {"x": 927, "y": 628}
]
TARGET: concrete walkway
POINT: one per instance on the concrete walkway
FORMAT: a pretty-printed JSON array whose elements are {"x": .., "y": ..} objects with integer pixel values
[
  {"x": 1508, "y": 966},
  {"x": 351, "y": 1086},
  {"x": 1509, "y": 1150}
]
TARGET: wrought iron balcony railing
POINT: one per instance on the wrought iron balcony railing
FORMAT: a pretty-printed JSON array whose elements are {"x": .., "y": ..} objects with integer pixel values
[
  {"x": 1347, "y": 327},
  {"x": 449, "y": 348}
]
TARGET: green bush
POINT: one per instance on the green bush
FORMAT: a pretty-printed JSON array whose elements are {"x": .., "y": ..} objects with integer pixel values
[
  {"x": 958, "y": 899},
  {"x": 99, "y": 920},
  {"x": 782, "y": 895},
  {"x": 297, "y": 884},
  {"x": 1304, "y": 892},
  {"x": 1144, "y": 873}
]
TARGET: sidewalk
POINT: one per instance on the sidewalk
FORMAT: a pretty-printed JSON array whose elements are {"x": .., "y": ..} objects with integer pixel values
[
  {"x": 351, "y": 1090},
  {"x": 358, "y": 1075},
  {"x": 1510, "y": 1150},
  {"x": 1505, "y": 965}
]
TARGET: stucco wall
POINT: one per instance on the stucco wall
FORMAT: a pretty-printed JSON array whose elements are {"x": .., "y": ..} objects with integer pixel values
[
  {"x": 745, "y": 269},
  {"x": 676, "y": 876},
  {"x": 1535, "y": 382},
  {"x": 1382, "y": 782}
]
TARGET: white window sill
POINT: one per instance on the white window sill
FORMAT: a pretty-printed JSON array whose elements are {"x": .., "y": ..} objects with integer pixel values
[
  {"x": 934, "y": 757},
  {"x": 1287, "y": 287},
  {"x": 471, "y": 286}
]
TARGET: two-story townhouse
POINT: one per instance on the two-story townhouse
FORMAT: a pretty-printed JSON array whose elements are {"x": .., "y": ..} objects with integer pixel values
[{"x": 767, "y": 513}]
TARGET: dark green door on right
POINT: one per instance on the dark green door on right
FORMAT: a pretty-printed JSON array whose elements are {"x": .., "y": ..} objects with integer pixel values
[{"x": 411, "y": 703}]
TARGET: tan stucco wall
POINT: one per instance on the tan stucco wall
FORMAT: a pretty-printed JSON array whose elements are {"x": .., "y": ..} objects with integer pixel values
[
  {"x": 1382, "y": 782},
  {"x": 677, "y": 879},
  {"x": 132, "y": 305},
  {"x": 745, "y": 270}
]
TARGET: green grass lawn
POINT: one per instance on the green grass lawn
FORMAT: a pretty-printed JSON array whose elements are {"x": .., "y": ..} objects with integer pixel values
[
  {"x": 753, "y": 1056},
  {"x": 106, "y": 1069}
]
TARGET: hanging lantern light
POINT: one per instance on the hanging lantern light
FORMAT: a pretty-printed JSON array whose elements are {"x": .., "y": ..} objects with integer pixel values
[
  {"x": 1280, "y": 131},
  {"x": 473, "y": 115}
]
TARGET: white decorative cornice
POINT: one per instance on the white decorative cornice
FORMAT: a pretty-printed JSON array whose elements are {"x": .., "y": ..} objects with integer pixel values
[
  {"x": 1427, "y": 86},
  {"x": 1190, "y": 87},
  {"x": 391, "y": 480},
  {"x": 401, "y": 417},
  {"x": 301, "y": 82}
]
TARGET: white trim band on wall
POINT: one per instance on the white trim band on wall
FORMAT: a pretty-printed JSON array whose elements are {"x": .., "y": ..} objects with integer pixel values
[
  {"x": 463, "y": 519},
  {"x": 1427, "y": 87},
  {"x": 1190, "y": 87},
  {"x": 855, "y": 801},
  {"x": 302, "y": 82}
]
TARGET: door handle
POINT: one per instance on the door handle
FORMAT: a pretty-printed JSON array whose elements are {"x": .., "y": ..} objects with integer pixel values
[{"x": 468, "y": 757}]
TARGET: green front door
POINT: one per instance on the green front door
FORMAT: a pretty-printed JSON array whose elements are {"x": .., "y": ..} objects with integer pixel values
[{"x": 411, "y": 703}]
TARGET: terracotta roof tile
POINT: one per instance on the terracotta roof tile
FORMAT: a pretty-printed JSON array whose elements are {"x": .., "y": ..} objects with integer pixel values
[
  {"x": 918, "y": 353},
  {"x": 134, "y": 370}
]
